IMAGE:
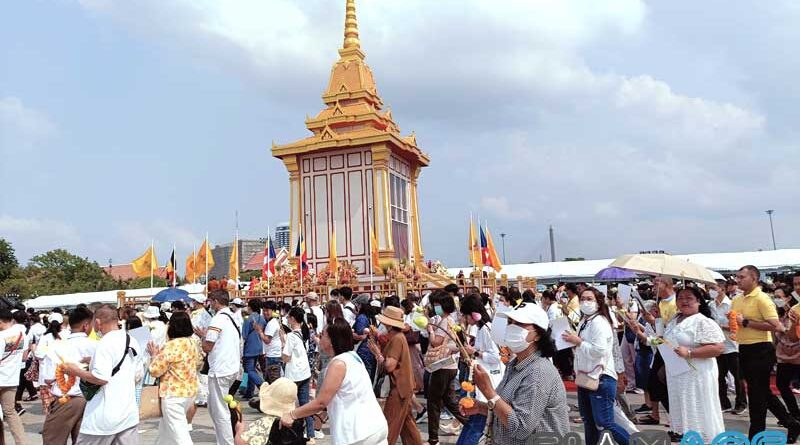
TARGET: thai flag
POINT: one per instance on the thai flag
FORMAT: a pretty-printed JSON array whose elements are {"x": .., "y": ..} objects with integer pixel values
[
  {"x": 484, "y": 247},
  {"x": 300, "y": 253},
  {"x": 268, "y": 268}
]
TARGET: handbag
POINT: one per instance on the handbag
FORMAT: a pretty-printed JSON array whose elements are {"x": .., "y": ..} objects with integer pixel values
[
  {"x": 583, "y": 380},
  {"x": 436, "y": 354},
  {"x": 150, "y": 405}
]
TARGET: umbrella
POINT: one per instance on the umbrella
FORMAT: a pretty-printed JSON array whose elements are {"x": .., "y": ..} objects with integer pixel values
[
  {"x": 614, "y": 274},
  {"x": 664, "y": 265},
  {"x": 171, "y": 294}
]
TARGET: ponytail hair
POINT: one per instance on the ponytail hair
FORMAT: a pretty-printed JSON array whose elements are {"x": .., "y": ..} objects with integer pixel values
[{"x": 54, "y": 328}]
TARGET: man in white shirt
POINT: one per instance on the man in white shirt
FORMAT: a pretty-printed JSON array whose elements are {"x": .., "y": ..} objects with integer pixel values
[
  {"x": 273, "y": 343},
  {"x": 313, "y": 308},
  {"x": 111, "y": 416},
  {"x": 200, "y": 320},
  {"x": 64, "y": 420},
  {"x": 14, "y": 345},
  {"x": 728, "y": 361},
  {"x": 222, "y": 343},
  {"x": 236, "y": 310},
  {"x": 348, "y": 308}
]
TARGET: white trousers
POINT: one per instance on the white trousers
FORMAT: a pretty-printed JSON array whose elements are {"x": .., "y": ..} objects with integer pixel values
[
  {"x": 217, "y": 408},
  {"x": 202, "y": 388},
  {"x": 173, "y": 429},
  {"x": 379, "y": 438}
]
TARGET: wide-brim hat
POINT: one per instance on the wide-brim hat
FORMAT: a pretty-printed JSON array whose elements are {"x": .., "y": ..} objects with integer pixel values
[
  {"x": 151, "y": 312},
  {"x": 392, "y": 316},
  {"x": 278, "y": 398}
]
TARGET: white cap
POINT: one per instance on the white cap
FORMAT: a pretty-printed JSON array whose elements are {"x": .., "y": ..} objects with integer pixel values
[
  {"x": 237, "y": 301},
  {"x": 200, "y": 298},
  {"x": 312, "y": 296},
  {"x": 151, "y": 312},
  {"x": 55, "y": 316},
  {"x": 375, "y": 303},
  {"x": 528, "y": 313}
]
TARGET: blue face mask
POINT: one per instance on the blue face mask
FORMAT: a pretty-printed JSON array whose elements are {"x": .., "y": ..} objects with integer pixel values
[{"x": 438, "y": 310}]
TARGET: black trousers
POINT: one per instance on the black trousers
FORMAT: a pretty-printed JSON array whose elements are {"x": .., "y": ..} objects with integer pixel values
[
  {"x": 756, "y": 362},
  {"x": 563, "y": 360},
  {"x": 788, "y": 372},
  {"x": 730, "y": 363}
]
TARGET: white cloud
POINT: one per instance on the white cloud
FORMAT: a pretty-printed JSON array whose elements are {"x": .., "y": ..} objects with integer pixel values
[
  {"x": 137, "y": 235},
  {"x": 33, "y": 236},
  {"x": 501, "y": 207},
  {"x": 22, "y": 127}
]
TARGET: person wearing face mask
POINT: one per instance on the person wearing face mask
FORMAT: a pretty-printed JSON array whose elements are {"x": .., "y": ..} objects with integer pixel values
[
  {"x": 728, "y": 361},
  {"x": 787, "y": 350},
  {"x": 594, "y": 357},
  {"x": 530, "y": 398},
  {"x": 440, "y": 391}
]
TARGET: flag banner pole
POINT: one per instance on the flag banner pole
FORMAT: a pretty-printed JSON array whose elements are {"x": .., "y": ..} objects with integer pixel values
[
  {"x": 152, "y": 250},
  {"x": 205, "y": 255}
]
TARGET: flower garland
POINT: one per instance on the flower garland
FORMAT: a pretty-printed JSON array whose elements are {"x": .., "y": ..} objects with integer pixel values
[{"x": 64, "y": 383}]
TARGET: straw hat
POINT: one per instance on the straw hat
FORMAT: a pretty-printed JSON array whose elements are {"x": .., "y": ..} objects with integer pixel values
[
  {"x": 278, "y": 398},
  {"x": 392, "y": 316}
]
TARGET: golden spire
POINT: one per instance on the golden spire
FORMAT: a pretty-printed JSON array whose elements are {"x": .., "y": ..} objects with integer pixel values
[{"x": 351, "y": 26}]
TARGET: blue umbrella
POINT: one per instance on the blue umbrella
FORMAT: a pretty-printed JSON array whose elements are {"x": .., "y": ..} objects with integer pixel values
[
  {"x": 171, "y": 294},
  {"x": 614, "y": 274}
]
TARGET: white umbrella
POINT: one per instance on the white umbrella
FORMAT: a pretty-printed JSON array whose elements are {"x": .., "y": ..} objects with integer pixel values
[{"x": 664, "y": 265}]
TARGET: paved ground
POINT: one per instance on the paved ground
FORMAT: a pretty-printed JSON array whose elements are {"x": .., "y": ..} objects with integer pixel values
[{"x": 204, "y": 434}]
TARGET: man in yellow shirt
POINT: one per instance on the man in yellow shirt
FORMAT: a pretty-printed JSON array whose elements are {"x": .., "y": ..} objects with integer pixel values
[{"x": 758, "y": 318}]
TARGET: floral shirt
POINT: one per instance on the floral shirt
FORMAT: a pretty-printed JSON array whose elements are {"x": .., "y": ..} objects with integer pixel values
[{"x": 177, "y": 366}]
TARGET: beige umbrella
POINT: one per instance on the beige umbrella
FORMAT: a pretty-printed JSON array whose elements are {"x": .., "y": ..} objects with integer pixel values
[{"x": 664, "y": 265}]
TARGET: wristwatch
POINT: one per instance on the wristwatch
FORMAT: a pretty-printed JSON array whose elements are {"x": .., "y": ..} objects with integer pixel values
[
  {"x": 745, "y": 322},
  {"x": 493, "y": 401}
]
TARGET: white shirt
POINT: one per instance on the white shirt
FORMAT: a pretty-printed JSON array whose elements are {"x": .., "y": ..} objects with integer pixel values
[
  {"x": 273, "y": 349},
  {"x": 36, "y": 332},
  {"x": 596, "y": 348},
  {"x": 720, "y": 313},
  {"x": 554, "y": 311},
  {"x": 14, "y": 344},
  {"x": 76, "y": 346},
  {"x": 225, "y": 356},
  {"x": 237, "y": 317},
  {"x": 158, "y": 331},
  {"x": 113, "y": 409},
  {"x": 201, "y": 318},
  {"x": 297, "y": 368},
  {"x": 317, "y": 311},
  {"x": 349, "y": 311},
  {"x": 45, "y": 342},
  {"x": 354, "y": 412}
]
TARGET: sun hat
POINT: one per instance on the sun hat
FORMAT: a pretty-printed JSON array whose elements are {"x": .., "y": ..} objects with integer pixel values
[
  {"x": 312, "y": 296},
  {"x": 392, "y": 316},
  {"x": 151, "y": 312},
  {"x": 200, "y": 298},
  {"x": 278, "y": 398},
  {"x": 527, "y": 313},
  {"x": 237, "y": 302}
]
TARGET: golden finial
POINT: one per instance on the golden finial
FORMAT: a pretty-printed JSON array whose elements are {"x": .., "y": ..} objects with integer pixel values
[{"x": 351, "y": 26}]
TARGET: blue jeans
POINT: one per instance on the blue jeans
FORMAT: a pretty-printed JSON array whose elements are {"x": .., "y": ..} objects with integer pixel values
[
  {"x": 254, "y": 380},
  {"x": 473, "y": 430},
  {"x": 274, "y": 369},
  {"x": 597, "y": 411},
  {"x": 303, "y": 395}
]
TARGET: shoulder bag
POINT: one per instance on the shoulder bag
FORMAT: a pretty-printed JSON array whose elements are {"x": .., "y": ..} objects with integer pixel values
[{"x": 90, "y": 389}]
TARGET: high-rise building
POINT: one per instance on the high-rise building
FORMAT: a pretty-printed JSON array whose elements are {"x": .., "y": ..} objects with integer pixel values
[
  {"x": 282, "y": 235},
  {"x": 222, "y": 255}
]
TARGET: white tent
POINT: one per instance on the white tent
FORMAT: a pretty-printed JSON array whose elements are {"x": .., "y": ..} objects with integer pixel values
[
  {"x": 766, "y": 261},
  {"x": 72, "y": 300}
]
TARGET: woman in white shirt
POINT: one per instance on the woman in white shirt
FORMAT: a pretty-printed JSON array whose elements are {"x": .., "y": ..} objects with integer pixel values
[
  {"x": 485, "y": 353},
  {"x": 295, "y": 356},
  {"x": 355, "y": 415},
  {"x": 594, "y": 363}
]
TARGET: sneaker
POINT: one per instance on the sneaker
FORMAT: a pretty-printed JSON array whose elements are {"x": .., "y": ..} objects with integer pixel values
[
  {"x": 635, "y": 391},
  {"x": 674, "y": 437},
  {"x": 201, "y": 404},
  {"x": 318, "y": 434},
  {"x": 445, "y": 416},
  {"x": 739, "y": 410},
  {"x": 422, "y": 416},
  {"x": 190, "y": 428},
  {"x": 792, "y": 432},
  {"x": 449, "y": 430},
  {"x": 21, "y": 411},
  {"x": 31, "y": 398},
  {"x": 727, "y": 410},
  {"x": 643, "y": 409}
]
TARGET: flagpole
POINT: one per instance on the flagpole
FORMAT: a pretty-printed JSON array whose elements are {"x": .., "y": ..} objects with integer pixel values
[
  {"x": 152, "y": 254},
  {"x": 194, "y": 262},
  {"x": 269, "y": 245},
  {"x": 205, "y": 255},
  {"x": 371, "y": 265},
  {"x": 174, "y": 264}
]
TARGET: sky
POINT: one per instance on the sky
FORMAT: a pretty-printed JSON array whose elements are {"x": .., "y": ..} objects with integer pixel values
[{"x": 627, "y": 125}]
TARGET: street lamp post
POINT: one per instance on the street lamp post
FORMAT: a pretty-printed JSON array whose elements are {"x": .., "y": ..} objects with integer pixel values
[
  {"x": 503, "y": 238},
  {"x": 772, "y": 229}
]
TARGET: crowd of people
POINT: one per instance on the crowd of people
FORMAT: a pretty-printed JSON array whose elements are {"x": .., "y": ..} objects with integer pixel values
[{"x": 372, "y": 369}]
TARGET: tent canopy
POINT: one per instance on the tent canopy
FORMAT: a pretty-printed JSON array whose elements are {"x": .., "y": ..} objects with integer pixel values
[{"x": 72, "y": 300}]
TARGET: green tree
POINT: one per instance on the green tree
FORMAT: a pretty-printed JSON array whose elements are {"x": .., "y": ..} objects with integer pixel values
[
  {"x": 8, "y": 260},
  {"x": 60, "y": 272},
  {"x": 144, "y": 282}
]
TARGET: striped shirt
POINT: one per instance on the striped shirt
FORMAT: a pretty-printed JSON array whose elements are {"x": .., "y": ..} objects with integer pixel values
[{"x": 534, "y": 389}]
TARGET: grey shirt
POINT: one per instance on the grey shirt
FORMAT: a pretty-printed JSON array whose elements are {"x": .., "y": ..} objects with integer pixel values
[{"x": 534, "y": 389}]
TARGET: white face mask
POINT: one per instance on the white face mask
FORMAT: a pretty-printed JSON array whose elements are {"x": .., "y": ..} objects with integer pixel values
[
  {"x": 516, "y": 338},
  {"x": 780, "y": 302},
  {"x": 713, "y": 294},
  {"x": 589, "y": 307}
]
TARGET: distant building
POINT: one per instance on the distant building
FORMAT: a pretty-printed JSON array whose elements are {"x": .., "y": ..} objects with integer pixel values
[
  {"x": 282, "y": 236},
  {"x": 222, "y": 254}
]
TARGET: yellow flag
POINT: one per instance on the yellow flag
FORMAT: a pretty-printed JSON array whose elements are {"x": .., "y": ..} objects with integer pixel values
[
  {"x": 333, "y": 261},
  {"x": 376, "y": 264},
  {"x": 203, "y": 256},
  {"x": 494, "y": 259},
  {"x": 191, "y": 274},
  {"x": 233, "y": 263},
  {"x": 474, "y": 246},
  {"x": 146, "y": 264}
]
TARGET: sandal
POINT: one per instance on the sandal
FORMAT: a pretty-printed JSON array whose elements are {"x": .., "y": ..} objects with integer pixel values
[{"x": 648, "y": 420}]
